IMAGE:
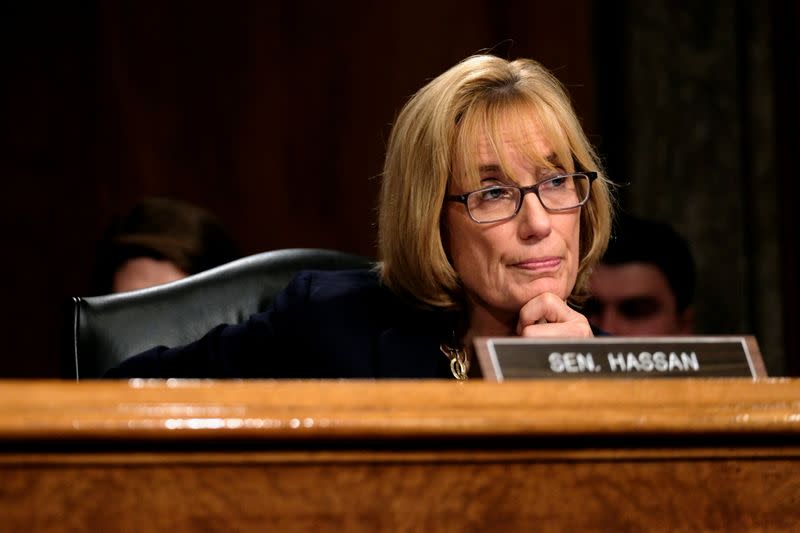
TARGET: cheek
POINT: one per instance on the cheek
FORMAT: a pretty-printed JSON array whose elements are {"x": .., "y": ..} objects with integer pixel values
[
  {"x": 468, "y": 245},
  {"x": 574, "y": 242},
  {"x": 569, "y": 228},
  {"x": 459, "y": 242}
]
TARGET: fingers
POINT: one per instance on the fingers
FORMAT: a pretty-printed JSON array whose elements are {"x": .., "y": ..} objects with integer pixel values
[{"x": 547, "y": 315}]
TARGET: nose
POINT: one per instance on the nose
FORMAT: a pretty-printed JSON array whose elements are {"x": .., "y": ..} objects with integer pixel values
[{"x": 534, "y": 219}]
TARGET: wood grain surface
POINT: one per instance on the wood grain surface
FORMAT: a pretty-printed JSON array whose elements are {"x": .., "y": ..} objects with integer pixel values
[
  {"x": 677, "y": 455},
  {"x": 176, "y": 409}
]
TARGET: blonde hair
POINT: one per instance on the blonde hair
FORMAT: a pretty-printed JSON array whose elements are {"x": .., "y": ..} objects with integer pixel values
[{"x": 439, "y": 126}]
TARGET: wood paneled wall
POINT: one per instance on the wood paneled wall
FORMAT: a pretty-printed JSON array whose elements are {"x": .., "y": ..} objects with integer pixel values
[
  {"x": 703, "y": 125},
  {"x": 274, "y": 116}
]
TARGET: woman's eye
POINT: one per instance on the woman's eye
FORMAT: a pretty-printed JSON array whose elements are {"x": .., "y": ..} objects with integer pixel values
[
  {"x": 495, "y": 193},
  {"x": 557, "y": 183}
]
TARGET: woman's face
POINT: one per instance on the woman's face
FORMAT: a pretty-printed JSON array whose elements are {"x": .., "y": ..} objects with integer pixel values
[{"x": 504, "y": 265}]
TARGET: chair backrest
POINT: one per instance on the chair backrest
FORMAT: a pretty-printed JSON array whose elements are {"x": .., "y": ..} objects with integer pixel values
[{"x": 105, "y": 330}]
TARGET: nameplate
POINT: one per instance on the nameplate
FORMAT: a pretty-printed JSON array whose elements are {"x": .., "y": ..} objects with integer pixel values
[{"x": 503, "y": 358}]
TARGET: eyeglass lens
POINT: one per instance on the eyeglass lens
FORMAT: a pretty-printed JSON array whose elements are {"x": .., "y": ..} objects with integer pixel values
[{"x": 556, "y": 194}]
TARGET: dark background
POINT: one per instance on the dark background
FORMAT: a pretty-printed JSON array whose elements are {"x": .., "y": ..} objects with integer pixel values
[{"x": 274, "y": 115}]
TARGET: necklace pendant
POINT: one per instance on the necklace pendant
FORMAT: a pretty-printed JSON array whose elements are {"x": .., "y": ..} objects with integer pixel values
[{"x": 459, "y": 361}]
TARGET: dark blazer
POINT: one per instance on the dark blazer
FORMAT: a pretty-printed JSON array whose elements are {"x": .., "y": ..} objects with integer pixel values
[{"x": 340, "y": 324}]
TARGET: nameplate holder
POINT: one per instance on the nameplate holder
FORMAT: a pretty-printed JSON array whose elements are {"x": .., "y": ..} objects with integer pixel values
[{"x": 504, "y": 358}]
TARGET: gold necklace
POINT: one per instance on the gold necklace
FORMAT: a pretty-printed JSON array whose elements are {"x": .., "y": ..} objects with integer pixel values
[{"x": 459, "y": 361}]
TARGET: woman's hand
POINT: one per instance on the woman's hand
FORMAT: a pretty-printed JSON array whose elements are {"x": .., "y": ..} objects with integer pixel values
[{"x": 547, "y": 315}]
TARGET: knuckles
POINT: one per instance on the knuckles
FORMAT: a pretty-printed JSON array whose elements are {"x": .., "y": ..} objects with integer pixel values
[
  {"x": 562, "y": 321},
  {"x": 557, "y": 329}
]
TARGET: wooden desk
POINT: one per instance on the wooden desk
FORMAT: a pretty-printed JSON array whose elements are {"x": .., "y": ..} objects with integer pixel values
[{"x": 666, "y": 455}]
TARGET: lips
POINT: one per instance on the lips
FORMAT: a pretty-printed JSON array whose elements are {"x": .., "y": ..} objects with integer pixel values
[{"x": 539, "y": 264}]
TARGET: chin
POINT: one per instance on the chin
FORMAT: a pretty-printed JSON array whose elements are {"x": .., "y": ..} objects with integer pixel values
[{"x": 536, "y": 289}]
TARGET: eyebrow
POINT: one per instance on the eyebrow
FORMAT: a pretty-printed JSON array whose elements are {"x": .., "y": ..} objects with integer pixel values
[{"x": 552, "y": 158}]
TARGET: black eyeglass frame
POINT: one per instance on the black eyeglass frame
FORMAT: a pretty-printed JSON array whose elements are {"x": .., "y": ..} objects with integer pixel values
[{"x": 463, "y": 198}]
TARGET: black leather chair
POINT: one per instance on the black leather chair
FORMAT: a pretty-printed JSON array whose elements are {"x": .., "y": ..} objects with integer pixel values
[{"x": 104, "y": 330}]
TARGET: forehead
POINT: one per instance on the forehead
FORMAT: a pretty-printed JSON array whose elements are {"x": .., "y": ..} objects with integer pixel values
[
  {"x": 514, "y": 135},
  {"x": 523, "y": 138}
]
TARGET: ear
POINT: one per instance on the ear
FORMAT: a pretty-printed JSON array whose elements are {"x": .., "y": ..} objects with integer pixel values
[{"x": 686, "y": 321}]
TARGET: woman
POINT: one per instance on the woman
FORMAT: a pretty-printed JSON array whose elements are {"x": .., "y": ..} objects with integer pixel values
[{"x": 492, "y": 211}]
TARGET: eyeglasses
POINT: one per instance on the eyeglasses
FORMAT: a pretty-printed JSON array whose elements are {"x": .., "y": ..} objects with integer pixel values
[{"x": 502, "y": 202}]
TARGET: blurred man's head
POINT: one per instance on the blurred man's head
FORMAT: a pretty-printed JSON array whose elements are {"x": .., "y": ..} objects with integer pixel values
[{"x": 645, "y": 282}]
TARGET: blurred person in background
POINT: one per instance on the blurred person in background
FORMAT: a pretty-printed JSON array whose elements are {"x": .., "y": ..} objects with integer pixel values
[
  {"x": 158, "y": 241},
  {"x": 644, "y": 284}
]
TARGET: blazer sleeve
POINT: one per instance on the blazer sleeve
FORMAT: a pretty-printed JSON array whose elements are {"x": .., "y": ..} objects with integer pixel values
[{"x": 267, "y": 345}]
